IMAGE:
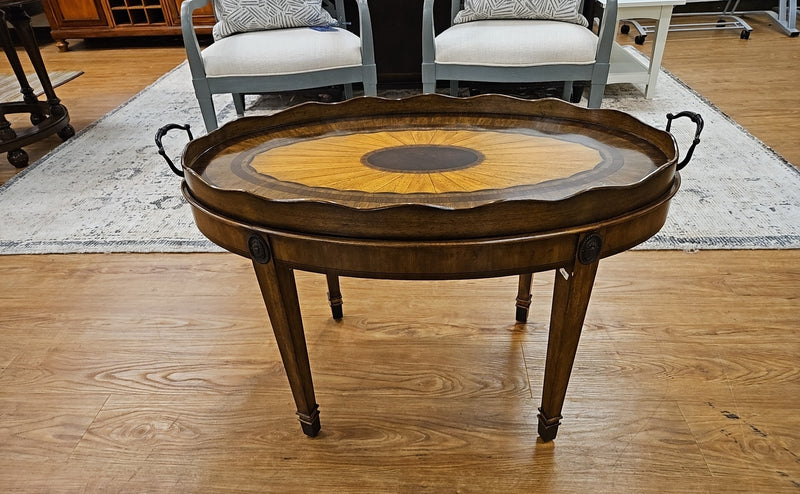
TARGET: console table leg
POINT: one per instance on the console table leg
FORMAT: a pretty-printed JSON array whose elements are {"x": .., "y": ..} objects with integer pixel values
[
  {"x": 279, "y": 290},
  {"x": 570, "y": 300},
  {"x": 335, "y": 296}
]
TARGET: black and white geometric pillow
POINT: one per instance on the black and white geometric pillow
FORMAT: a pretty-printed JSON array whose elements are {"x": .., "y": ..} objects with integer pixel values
[
  {"x": 239, "y": 16},
  {"x": 556, "y": 10}
]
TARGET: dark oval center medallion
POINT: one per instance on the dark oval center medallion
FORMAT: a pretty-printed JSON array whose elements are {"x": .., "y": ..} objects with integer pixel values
[{"x": 422, "y": 158}]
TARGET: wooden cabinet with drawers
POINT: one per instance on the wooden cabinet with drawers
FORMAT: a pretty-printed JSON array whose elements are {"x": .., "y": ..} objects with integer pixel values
[{"x": 112, "y": 18}]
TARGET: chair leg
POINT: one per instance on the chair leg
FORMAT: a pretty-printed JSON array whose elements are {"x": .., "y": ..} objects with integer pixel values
[
  {"x": 453, "y": 88},
  {"x": 567, "y": 94},
  {"x": 238, "y": 103},
  {"x": 370, "y": 89},
  {"x": 348, "y": 91},
  {"x": 428, "y": 78},
  {"x": 370, "y": 80},
  {"x": 207, "y": 108},
  {"x": 596, "y": 95}
]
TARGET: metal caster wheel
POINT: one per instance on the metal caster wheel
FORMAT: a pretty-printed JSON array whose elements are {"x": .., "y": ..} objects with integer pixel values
[
  {"x": 37, "y": 118},
  {"x": 66, "y": 132},
  {"x": 18, "y": 158}
]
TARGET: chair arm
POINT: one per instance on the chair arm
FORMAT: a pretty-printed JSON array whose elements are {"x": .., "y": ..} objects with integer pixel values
[
  {"x": 608, "y": 28},
  {"x": 429, "y": 27},
  {"x": 428, "y": 32},
  {"x": 365, "y": 33},
  {"x": 190, "y": 37}
]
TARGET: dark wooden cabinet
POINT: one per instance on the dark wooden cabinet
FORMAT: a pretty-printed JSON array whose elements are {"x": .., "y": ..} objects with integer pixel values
[
  {"x": 397, "y": 33},
  {"x": 110, "y": 18}
]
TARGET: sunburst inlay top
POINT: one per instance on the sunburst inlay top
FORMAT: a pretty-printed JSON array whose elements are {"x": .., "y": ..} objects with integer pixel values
[{"x": 425, "y": 161}]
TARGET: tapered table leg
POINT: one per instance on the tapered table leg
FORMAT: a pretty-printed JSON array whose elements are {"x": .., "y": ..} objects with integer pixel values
[
  {"x": 524, "y": 296},
  {"x": 279, "y": 290},
  {"x": 571, "y": 293}
]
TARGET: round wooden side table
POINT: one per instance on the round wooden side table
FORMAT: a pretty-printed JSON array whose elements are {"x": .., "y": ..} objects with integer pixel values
[
  {"x": 47, "y": 117},
  {"x": 428, "y": 188}
]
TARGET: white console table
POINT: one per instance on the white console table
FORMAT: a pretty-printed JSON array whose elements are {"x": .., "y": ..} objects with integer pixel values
[{"x": 627, "y": 68}]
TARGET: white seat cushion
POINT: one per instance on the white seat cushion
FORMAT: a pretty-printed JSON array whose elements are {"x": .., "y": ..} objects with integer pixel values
[
  {"x": 282, "y": 51},
  {"x": 516, "y": 43}
]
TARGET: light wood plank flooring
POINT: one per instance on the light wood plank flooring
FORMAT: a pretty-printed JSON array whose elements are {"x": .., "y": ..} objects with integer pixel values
[{"x": 158, "y": 373}]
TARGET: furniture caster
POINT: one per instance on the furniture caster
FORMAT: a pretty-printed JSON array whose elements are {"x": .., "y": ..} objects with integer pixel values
[
  {"x": 624, "y": 29},
  {"x": 18, "y": 158},
  {"x": 745, "y": 34},
  {"x": 639, "y": 40},
  {"x": 37, "y": 118},
  {"x": 66, "y": 132}
]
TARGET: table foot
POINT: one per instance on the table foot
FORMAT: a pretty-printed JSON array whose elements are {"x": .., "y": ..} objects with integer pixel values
[
  {"x": 310, "y": 422},
  {"x": 335, "y": 296},
  {"x": 548, "y": 427},
  {"x": 336, "y": 310},
  {"x": 524, "y": 297},
  {"x": 37, "y": 118},
  {"x": 18, "y": 158},
  {"x": 66, "y": 132}
]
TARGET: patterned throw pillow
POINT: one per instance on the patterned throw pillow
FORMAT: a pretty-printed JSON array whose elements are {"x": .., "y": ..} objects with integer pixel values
[
  {"x": 556, "y": 10},
  {"x": 239, "y": 16}
]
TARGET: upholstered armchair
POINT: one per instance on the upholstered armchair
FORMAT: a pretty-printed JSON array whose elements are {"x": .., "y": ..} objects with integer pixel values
[
  {"x": 267, "y": 46},
  {"x": 518, "y": 42}
]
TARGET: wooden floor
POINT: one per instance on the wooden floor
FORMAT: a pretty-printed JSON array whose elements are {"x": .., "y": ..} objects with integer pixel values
[{"x": 158, "y": 373}]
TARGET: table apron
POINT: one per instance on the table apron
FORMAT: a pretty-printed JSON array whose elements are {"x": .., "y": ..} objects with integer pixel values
[{"x": 428, "y": 259}]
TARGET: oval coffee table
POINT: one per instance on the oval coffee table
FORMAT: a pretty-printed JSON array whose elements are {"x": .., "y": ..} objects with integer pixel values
[{"x": 427, "y": 188}]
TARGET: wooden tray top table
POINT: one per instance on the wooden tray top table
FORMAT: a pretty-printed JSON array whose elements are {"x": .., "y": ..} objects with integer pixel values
[{"x": 427, "y": 188}]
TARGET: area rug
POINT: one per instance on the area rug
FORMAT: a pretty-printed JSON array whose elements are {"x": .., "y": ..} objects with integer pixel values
[
  {"x": 107, "y": 190},
  {"x": 9, "y": 86}
]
